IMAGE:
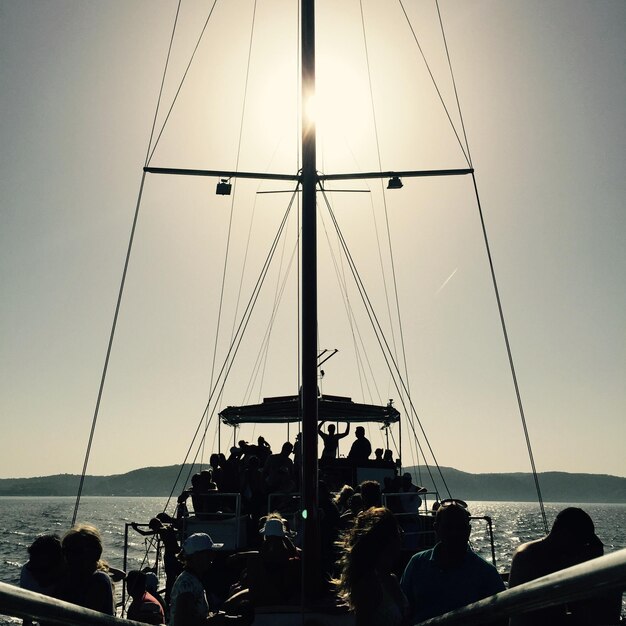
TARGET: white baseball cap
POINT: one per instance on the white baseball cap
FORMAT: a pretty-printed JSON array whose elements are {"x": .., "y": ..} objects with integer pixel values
[{"x": 199, "y": 542}]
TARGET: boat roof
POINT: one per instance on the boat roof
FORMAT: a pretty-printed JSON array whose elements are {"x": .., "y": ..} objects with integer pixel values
[{"x": 287, "y": 409}]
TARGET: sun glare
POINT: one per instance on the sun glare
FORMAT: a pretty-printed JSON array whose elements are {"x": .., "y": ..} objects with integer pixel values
[{"x": 343, "y": 105}]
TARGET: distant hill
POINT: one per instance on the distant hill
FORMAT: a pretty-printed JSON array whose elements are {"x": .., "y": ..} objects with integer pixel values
[{"x": 518, "y": 487}]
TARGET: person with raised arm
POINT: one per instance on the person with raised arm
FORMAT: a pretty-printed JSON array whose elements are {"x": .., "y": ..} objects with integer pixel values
[{"x": 331, "y": 440}]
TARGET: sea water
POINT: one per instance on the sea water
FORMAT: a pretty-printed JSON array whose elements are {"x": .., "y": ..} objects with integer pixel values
[{"x": 23, "y": 518}]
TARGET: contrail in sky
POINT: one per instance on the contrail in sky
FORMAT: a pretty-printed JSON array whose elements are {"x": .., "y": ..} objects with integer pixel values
[{"x": 446, "y": 281}]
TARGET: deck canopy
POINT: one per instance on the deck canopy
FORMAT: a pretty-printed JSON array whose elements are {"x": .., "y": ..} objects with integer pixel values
[{"x": 287, "y": 409}]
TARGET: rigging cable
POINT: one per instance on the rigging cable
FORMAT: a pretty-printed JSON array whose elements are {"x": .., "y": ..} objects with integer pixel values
[
  {"x": 240, "y": 334},
  {"x": 456, "y": 93},
  {"x": 495, "y": 286},
  {"x": 260, "y": 362},
  {"x": 510, "y": 356},
  {"x": 435, "y": 83},
  {"x": 182, "y": 81},
  {"x": 357, "y": 338},
  {"x": 380, "y": 167},
  {"x": 108, "y": 352},
  {"x": 122, "y": 282},
  {"x": 391, "y": 255},
  {"x": 234, "y": 346},
  {"x": 230, "y": 220},
  {"x": 387, "y": 354}
]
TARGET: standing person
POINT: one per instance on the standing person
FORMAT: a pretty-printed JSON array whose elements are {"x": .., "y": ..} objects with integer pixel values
[
  {"x": 361, "y": 447},
  {"x": 86, "y": 581},
  {"x": 369, "y": 551},
  {"x": 278, "y": 468},
  {"x": 189, "y": 605},
  {"x": 263, "y": 449},
  {"x": 331, "y": 440},
  {"x": 450, "y": 575},
  {"x": 571, "y": 540},
  {"x": 168, "y": 534},
  {"x": 297, "y": 459}
]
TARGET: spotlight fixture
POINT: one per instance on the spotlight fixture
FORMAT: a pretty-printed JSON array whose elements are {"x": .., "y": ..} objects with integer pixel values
[
  {"x": 224, "y": 187},
  {"x": 394, "y": 183}
]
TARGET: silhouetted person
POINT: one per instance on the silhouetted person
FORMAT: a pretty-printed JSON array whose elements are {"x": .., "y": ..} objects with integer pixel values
[
  {"x": 263, "y": 450},
  {"x": 368, "y": 552},
  {"x": 342, "y": 498},
  {"x": 44, "y": 568},
  {"x": 272, "y": 575},
  {"x": 86, "y": 581},
  {"x": 410, "y": 500},
  {"x": 253, "y": 489},
  {"x": 378, "y": 454},
  {"x": 361, "y": 447},
  {"x": 297, "y": 459},
  {"x": 450, "y": 575},
  {"x": 331, "y": 440},
  {"x": 144, "y": 606},
  {"x": 278, "y": 469},
  {"x": 189, "y": 606},
  {"x": 168, "y": 535},
  {"x": 230, "y": 467},
  {"x": 572, "y": 540},
  {"x": 355, "y": 506},
  {"x": 216, "y": 471},
  {"x": 370, "y": 493},
  {"x": 247, "y": 450}
]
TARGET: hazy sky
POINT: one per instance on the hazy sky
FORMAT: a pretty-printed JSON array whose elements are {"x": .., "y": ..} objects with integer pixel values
[{"x": 542, "y": 85}]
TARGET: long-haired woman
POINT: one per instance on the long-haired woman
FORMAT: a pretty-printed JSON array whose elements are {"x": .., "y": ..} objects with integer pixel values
[
  {"x": 87, "y": 582},
  {"x": 366, "y": 583}
]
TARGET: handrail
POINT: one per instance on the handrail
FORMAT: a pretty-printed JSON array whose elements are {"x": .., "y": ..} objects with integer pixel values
[
  {"x": 587, "y": 579},
  {"x": 594, "y": 577},
  {"x": 26, "y": 604}
]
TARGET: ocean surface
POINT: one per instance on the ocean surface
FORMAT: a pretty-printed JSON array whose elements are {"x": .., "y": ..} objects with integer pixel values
[{"x": 23, "y": 518}]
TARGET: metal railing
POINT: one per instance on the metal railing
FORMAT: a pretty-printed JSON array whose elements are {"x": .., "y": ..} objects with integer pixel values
[
  {"x": 585, "y": 580},
  {"x": 35, "y": 606},
  {"x": 592, "y": 578}
]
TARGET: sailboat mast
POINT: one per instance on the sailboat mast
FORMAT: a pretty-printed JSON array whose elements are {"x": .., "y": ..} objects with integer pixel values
[{"x": 309, "y": 306}]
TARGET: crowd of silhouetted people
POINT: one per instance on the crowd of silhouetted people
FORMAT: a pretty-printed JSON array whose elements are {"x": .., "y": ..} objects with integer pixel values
[
  {"x": 361, "y": 544},
  {"x": 359, "y": 559},
  {"x": 254, "y": 471}
]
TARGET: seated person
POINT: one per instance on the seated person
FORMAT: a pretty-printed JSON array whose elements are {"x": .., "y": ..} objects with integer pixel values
[
  {"x": 86, "y": 581},
  {"x": 45, "y": 565},
  {"x": 368, "y": 554},
  {"x": 144, "y": 606},
  {"x": 572, "y": 540},
  {"x": 409, "y": 500},
  {"x": 370, "y": 493},
  {"x": 272, "y": 575},
  {"x": 44, "y": 568},
  {"x": 189, "y": 606},
  {"x": 450, "y": 575}
]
